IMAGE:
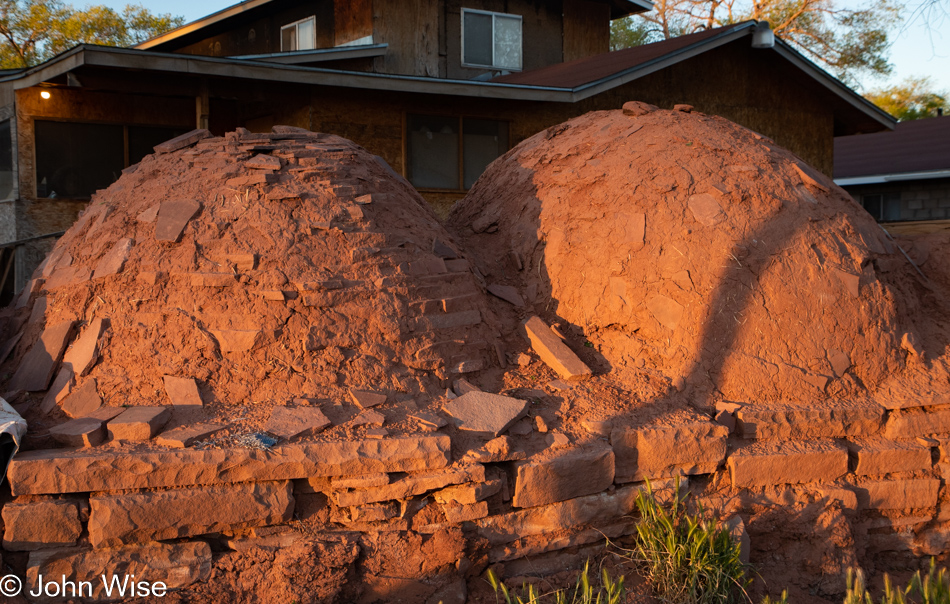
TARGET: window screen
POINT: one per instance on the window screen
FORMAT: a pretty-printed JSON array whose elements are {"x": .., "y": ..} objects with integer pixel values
[
  {"x": 433, "y": 151},
  {"x": 507, "y": 42},
  {"x": 74, "y": 160},
  {"x": 6, "y": 161},
  {"x": 477, "y": 38},
  {"x": 483, "y": 141},
  {"x": 288, "y": 38},
  {"x": 305, "y": 35},
  {"x": 298, "y": 36}
]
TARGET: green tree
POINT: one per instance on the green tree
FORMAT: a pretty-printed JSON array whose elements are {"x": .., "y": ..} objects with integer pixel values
[
  {"x": 32, "y": 31},
  {"x": 912, "y": 99},
  {"x": 848, "y": 42}
]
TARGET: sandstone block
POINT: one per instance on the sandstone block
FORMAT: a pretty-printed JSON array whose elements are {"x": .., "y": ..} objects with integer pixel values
[
  {"x": 507, "y": 293},
  {"x": 792, "y": 462},
  {"x": 182, "y": 391},
  {"x": 61, "y": 388},
  {"x": 881, "y": 456},
  {"x": 359, "y": 482},
  {"x": 456, "y": 513},
  {"x": 485, "y": 412},
  {"x": 211, "y": 279},
  {"x": 238, "y": 340},
  {"x": 807, "y": 421},
  {"x": 40, "y": 524},
  {"x": 662, "y": 451},
  {"x": 468, "y": 494},
  {"x": 82, "y": 401},
  {"x": 146, "y": 516},
  {"x": 290, "y": 422},
  {"x": 185, "y": 436},
  {"x": 911, "y": 494},
  {"x": 82, "y": 432},
  {"x": 408, "y": 486},
  {"x": 36, "y": 368},
  {"x": 908, "y": 424},
  {"x": 138, "y": 423},
  {"x": 177, "y": 565},
  {"x": 567, "y": 475},
  {"x": 173, "y": 217},
  {"x": 596, "y": 509},
  {"x": 58, "y": 471},
  {"x": 554, "y": 352}
]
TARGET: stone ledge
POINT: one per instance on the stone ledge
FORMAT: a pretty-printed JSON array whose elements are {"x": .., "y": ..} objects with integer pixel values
[
  {"x": 51, "y": 471},
  {"x": 804, "y": 421},
  {"x": 664, "y": 451},
  {"x": 787, "y": 462},
  {"x": 912, "y": 494}
]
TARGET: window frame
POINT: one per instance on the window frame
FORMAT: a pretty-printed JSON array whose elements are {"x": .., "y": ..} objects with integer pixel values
[
  {"x": 882, "y": 206},
  {"x": 461, "y": 146},
  {"x": 295, "y": 25},
  {"x": 493, "y": 15}
]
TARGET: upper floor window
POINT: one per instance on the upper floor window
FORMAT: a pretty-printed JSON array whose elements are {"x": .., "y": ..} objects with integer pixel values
[
  {"x": 491, "y": 40},
  {"x": 301, "y": 35}
]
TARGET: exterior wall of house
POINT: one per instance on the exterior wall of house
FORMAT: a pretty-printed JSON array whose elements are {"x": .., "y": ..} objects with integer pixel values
[
  {"x": 914, "y": 199},
  {"x": 586, "y": 29}
]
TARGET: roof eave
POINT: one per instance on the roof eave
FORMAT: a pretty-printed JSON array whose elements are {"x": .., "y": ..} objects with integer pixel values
[
  {"x": 875, "y": 179},
  {"x": 187, "y": 28}
]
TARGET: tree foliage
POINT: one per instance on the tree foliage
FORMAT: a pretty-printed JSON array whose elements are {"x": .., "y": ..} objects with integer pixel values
[
  {"x": 32, "y": 31},
  {"x": 912, "y": 99},
  {"x": 846, "y": 41}
]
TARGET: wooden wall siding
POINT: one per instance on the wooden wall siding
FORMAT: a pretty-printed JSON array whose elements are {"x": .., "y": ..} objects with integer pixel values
[
  {"x": 586, "y": 29},
  {"x": 352, "y": 20},
  {"x": 261, "y": 34},
  {"x": 541, "y": 32},
  {"x": 412, "y": 31}
]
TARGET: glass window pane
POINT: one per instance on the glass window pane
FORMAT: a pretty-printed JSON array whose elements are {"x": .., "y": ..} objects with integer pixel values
[
  {"x": 6, "y": 161},
  {"x": 483, "y": 141},
  {"x": 288, "y": 38},
  {"x": 74, "y": 160},
  {"x": 142, "y": 139},
  {"x": 433, "y": 152},
  {"x": 305, "y": 37},
  {"x": 477, "y": 38},
  {"x": 507, "y": 42}
]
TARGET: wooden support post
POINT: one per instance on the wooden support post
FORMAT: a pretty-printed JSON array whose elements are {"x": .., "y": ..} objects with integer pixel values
[{"x": 202, "y": 105}]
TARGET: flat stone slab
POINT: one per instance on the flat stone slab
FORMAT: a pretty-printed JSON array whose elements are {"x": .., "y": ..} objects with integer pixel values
[
  {"x": 40, "y": 524},
  {"x": 289, "y": 422},
  {"x": 117, "y": 520},
  {"x": 182, "y": 391},
  {"x": 602, "y": 508},
  {"x": 912, "y": 494},
  {"x": 238, "y": 340},
  {"x": 61, "y": 388},
  {"x": 180, "y": 142},
  {"x": 664, "y": 451},
  {"x": 82, "y": 401},
  {"x": 36, "y": 368},
  {"x": 554, "y": 352},
  {"x": 81, "y": 432},
  {"x": 185, "y": 436},
  {"x": 569, "y": 474},
  {"x": 409, "y": 486},
  {"x": 485, "y": 412},
  {"x": 876, "y": 456},
  {"x": 58, "y": 471},
  {"x": 917, "y": 422},
  {"x": 138, "y": 423},
  {"x": 787, "y": 462},
  {"x": 835, "y": 419},
  {"x": 114, "y": 260},
  {"x": 173, "y": 217},
  {"x": 84, "y": 352},
  {"x": 507, "y": 293},
  {"x": 177, "y": 565},
  {"x": 365, "y": 399}
]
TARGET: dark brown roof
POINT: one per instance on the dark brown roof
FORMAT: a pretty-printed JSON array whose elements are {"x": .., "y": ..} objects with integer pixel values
[
  {"x": 590, "y": 69},
  {"x": 915, "y": 146}
]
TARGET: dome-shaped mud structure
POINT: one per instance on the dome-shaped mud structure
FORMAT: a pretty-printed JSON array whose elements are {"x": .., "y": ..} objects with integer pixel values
[
  {"x": 689, "y": 244},
  {"x": 265, "y": 267}
]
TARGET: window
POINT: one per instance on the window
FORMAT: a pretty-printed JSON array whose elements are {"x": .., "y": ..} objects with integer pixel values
[
  {"x": 452, "y": 152},
  {"x": 74, "y": 160},
  {"x": 301, "y": 35},
  {"x": 491, "y": 40},
  {"x": 884, "y": 208}
]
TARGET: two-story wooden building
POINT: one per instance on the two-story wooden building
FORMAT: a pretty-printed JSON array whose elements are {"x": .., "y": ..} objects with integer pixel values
[{"x": 438, "y": 88}]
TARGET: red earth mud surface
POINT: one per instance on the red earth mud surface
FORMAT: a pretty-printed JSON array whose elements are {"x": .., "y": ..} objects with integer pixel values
[{"x": 704, "y": 254}]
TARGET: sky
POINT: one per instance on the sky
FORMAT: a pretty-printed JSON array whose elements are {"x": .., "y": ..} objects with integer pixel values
[{"x": 920, "y": 48}]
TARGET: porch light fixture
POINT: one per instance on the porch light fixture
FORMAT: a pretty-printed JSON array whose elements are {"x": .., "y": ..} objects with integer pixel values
[{"x": 45, "y": 95}]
